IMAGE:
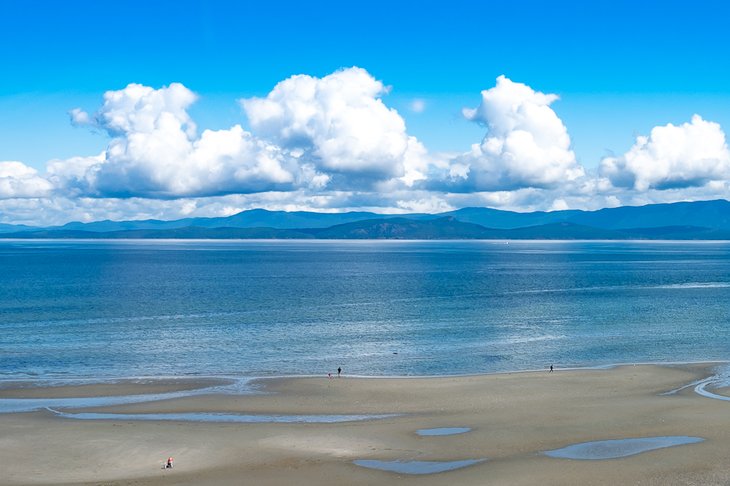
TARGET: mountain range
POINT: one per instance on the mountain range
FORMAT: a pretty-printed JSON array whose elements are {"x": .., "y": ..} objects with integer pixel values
[{"x": 709, "y": 220}]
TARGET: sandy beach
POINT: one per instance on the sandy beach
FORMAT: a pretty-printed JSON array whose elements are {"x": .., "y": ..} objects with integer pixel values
[{"x": 512, "y": 417}]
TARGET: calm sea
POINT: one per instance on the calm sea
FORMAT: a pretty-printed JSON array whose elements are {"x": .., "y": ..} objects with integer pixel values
[{"x": 252, "y": 308}]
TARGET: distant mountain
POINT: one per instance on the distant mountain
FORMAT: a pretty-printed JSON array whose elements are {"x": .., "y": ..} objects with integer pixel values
[
  {"x": 11, "y": 228},
  {"x": 190, "y": 232},
  {"x": 254, "y": 218},
  {"x": 496, "y": 218},
  {"x": 451, "y": 228},
  {"x": 563, "y": 231},
  {"x": 689, "y": 220},
  {"x": 676, "y": 233},
  {"x": 407, "y": 229},
  {"x": 708, "y": 214},
  {"x": 292, "y": 220},
  {"x": 394, "y": 228}
]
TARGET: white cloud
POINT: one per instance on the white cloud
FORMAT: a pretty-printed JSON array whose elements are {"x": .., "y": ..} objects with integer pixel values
[
  {"x": 340, "y": 125},
  {"x": 79, "y": 117},
  {"x": 671, "y": 157},
  {"x": 526, "y": 145},
  {"x": 142, "y": 109},
  {"x": 155, "y": 152},
  {"x": 418, "y": 105},
  {"x": 432, "y": 204},
  {"x": 17, "y": 180},
  {"x": 332, "y": 144}
]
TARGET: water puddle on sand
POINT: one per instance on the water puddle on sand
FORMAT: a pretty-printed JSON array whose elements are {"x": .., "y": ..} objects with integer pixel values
[
  {"x": 416, "y": 467},
  {"x": 613, "y": 449},
  {"x": 18, "y": 405},
  {"x": 221, "y": 417},
  {"x": 443, "y": 431}
]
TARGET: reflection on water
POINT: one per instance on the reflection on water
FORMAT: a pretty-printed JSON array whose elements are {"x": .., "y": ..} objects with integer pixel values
[
  {"x": 223, "y": 417},
  {"x": 259, "y": 308},
  {"x": 612, "y": 449},
  {"x": 443, "y": 431},
  {"x": 416, "y": 467}
]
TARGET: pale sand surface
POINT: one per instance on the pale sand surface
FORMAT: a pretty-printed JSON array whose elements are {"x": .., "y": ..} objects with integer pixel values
[{"x": 513, "y": 418}]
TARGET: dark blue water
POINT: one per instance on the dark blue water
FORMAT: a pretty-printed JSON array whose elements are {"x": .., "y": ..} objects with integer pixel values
[{"x": 148, "y": 308}]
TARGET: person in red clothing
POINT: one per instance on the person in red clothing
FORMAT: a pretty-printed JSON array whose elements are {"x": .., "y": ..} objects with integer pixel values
[{"x": 169, "y": 463}]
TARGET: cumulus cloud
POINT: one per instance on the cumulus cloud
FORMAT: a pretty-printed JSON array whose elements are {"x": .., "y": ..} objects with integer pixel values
[
  {"x": 141, "y": 109},
  {"x": 332, "y": 144},
  {"x": 526, "y": 145},
  {"x": 332, "y": 132},
  {"x": 340, "y": 125},
  {"x": 155, "y": 152},
  {"x": 17, "y": 180},
  {"x": 672, "y": 157}
]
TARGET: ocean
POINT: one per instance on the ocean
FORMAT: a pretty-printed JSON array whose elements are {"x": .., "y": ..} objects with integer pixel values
[{"x": 113, "y": 309}]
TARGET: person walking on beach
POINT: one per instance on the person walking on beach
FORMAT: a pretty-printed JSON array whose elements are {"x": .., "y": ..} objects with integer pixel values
[
  {"x": 339, "y": 371},
  {"x": 169, "y": 463},
  {"x": 551, "y": 368}
]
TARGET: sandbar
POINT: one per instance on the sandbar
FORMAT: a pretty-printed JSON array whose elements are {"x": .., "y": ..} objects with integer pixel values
[{"x": 513, "y": 417}]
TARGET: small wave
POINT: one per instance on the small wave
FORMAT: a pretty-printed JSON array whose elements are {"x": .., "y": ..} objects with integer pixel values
[
  {"x": 702, "y": 387},
  {"x": 131, "y": 319},
  {"x": 677, "y": 286},
  {"x": 696, "y": 285},
  {"x": 702, "y": 390},
  {"x": 720, "y": 380},
  {"x": 528, "y": 339}
]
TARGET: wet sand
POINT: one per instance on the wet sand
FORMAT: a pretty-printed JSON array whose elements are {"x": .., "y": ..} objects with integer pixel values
[
  {"x": 513, "y": 418},
  {"x": 147, "y": 386}
]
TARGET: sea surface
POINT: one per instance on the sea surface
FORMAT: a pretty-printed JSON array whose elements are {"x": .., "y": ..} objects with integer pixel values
[{"x": 109, "y": 309}]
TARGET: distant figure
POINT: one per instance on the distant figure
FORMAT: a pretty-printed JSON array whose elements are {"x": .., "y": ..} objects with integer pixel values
[
  {"x": 169, "y": 463},
  {"x": 551, "y": 368},
  {"x": 329, "y": 375},
  {"x": 339, "y": 371}
]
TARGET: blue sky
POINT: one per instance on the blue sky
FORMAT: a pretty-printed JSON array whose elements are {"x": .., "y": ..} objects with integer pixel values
[{"x": 620, "y": 68}]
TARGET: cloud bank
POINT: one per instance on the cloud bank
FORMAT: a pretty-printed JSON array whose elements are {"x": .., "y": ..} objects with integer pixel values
[
  {"x": 333, "y": 144},
  {"x": 17, "y": 180}
]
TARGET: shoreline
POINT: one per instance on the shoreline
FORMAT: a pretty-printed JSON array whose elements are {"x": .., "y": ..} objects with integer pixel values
[
  {"x": 513, "y": 418},
  {"x": 10, "y": 386}
]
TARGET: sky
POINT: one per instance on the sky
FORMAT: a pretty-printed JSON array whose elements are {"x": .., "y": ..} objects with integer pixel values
[{"x": 135, "y": 110}]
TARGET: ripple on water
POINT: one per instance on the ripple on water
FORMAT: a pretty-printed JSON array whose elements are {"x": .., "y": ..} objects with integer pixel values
[
  {"x": 613, "y": 449},
  {"x": 443, "y": 431},
  {"x": 221, "y": 417},
  {"x": 416, "y": 467}
]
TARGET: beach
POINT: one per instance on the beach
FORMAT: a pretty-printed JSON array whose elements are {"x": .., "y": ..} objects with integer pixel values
[{"x": 512, "y": 418}]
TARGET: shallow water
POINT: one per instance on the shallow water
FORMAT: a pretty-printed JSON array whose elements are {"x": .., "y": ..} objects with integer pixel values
[
  {"x": 222, "y": 417},
  {"x": 613, "y": 449},
  {"x": 416, "y": 467},
  {"x": 15, "y": 405},
  {"x": 443, "y": 431}
]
